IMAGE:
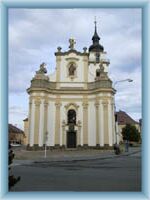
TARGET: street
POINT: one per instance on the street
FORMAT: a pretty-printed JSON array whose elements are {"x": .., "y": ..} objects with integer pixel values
[{"x": 118, "y": 173}]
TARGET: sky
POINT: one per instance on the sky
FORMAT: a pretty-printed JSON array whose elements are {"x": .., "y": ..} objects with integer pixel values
[{"x": 35, "y": 34}]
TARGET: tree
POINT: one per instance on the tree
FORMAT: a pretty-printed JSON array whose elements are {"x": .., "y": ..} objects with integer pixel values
[{"x": 130, "y": 133}]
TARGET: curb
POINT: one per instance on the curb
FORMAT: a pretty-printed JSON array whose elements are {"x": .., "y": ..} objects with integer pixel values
[{"x": 86, "y": 159}]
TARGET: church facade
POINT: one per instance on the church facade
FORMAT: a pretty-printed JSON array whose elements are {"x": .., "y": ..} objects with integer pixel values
[{"x": 73, "y": 107}]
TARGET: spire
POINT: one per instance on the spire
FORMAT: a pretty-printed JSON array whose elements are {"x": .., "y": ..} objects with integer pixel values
[
  {"x": 95, "y": 25},
  {"x": 96, "y": 46}
]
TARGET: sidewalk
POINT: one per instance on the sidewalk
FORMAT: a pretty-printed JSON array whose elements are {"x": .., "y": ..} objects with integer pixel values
[{"x": 28, "y": 157}]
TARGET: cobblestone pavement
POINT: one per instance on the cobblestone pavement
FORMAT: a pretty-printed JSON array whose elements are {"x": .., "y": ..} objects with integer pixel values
[{"x": 23, "y": 156}]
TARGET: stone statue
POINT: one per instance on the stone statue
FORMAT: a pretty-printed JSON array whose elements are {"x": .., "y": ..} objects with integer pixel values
[
  {"x": 40, "y": 74},
  {"x": 100, "y": 73},
  {"x": 72, "y": 43},
  {"x": 42, "y": 69},
  {"x": 72, "y": 69},
  {"x": 101, "y": 67}
]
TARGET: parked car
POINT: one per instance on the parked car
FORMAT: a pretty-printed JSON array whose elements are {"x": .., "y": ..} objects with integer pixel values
[{"x": 15, "y": 145}]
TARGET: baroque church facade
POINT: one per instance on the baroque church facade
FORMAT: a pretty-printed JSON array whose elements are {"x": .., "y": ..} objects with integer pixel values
[{"x": 73, "y": 107}]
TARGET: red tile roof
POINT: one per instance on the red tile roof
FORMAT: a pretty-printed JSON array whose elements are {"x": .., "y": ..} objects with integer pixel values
[
  {"x": 123, "y": 118},
  {"x": 14, "y": 129}
]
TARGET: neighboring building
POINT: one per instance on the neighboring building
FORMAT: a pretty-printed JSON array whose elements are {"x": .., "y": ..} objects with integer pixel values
[
  {"x": 74, "y": 107},
  {"x": 123, "y": 118},
  {"x": 16, "y": 135}
]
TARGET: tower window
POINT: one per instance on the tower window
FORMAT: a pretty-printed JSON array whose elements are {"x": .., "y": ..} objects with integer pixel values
[{"x": 97, "y": 57}]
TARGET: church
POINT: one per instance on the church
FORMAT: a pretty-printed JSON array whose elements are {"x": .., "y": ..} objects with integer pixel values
[{"x": 73, "y": 108}]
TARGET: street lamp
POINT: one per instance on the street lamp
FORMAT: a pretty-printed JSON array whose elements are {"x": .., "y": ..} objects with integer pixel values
[
  {"x": 115, "y": 83},
  {"x": 124, "y": 80}
]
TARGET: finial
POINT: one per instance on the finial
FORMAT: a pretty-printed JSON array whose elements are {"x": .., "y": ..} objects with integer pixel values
[{"x": 59, "y": 49}]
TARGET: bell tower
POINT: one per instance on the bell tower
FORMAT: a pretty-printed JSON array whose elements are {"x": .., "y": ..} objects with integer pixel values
[{"x": 97, "y": 55}]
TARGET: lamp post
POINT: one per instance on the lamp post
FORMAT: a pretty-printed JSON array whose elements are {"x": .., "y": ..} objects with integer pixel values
[{"x": 115, "y": 83}]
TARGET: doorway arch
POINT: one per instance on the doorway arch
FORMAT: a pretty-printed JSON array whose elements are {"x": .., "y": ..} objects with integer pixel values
[{"x": 71, "y": 133}]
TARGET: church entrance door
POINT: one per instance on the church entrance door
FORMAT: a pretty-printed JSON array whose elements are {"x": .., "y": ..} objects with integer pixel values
[{"x": 71, "y": 139}]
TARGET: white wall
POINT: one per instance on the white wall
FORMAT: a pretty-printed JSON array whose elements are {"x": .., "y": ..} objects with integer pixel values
[{"x": 91, "y": 124}]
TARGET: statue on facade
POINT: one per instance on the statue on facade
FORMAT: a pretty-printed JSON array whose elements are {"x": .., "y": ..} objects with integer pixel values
[
  {"x": 100, "y": 73},
  {"x": 40, "y": 74},
  {"x": 42, "y": 69},
  {"x": 72, "y": 43},
  {"x": 72, "y": 69},
  {"x": 101, "y": 67}
]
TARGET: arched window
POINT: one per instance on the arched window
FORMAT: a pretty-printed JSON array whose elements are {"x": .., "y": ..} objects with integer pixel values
[
  {"x": 72, "y": 69},
  {"x": 71, "y": 116}
]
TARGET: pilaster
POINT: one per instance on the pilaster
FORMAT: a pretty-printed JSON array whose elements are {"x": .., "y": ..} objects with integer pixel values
[
  {"x": 101, "y": 124},
  {"x": 85, "y": 123},
  {"x": 58, "y": 60},
  {"x": 85, "y": 60},
  {"x": 45, "y": 119},
  {"x": 105, "y": 117},
  {"x": 57, "y": 123},
  {"x": 97, "y": 121},
  {"x": 30, "y": 122},
  {"x": 36, "y": 124},
  {"x": 41, "y": 124},
  {"x": 110, "y": 123}
]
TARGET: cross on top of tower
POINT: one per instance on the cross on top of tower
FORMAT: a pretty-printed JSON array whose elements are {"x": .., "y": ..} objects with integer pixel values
[{"x": 95, "y": 21}]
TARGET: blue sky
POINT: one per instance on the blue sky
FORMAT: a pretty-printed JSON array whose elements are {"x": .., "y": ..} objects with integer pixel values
[{"x": 35, "y": 34}]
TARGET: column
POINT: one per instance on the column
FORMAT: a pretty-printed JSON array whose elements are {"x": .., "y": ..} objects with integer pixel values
[
  {"x": 36, "y": 124},
  {"x": 85, "y": 123},
  {"x": 101, "y": 124},
  {"x": 31, "y": 122},
  {"x": 110, "y": 123},
  {"x": 41, "y": 124},
  {"x": 97, "y": 122},
  {"x": 57, "y": 124},
  {"x": 58, "y": 60},
  {"x": 45, "y": 129},
  {"x": 105, "y": 116}
]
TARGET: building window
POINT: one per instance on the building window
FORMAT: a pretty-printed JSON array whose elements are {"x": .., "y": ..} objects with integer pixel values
[
  {"x": 71, "y": 116},
  {"x": 72, "y": 69},
  {"x": 97, "y": 57}
]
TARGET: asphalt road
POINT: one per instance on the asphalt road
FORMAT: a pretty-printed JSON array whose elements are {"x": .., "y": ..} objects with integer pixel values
[{"x": 119, "y": 173}]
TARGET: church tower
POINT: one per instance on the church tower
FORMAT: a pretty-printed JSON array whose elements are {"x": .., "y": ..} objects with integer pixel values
[
  {"x": 73, "y": 107},
  {"x": 97, "y": 56}
]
